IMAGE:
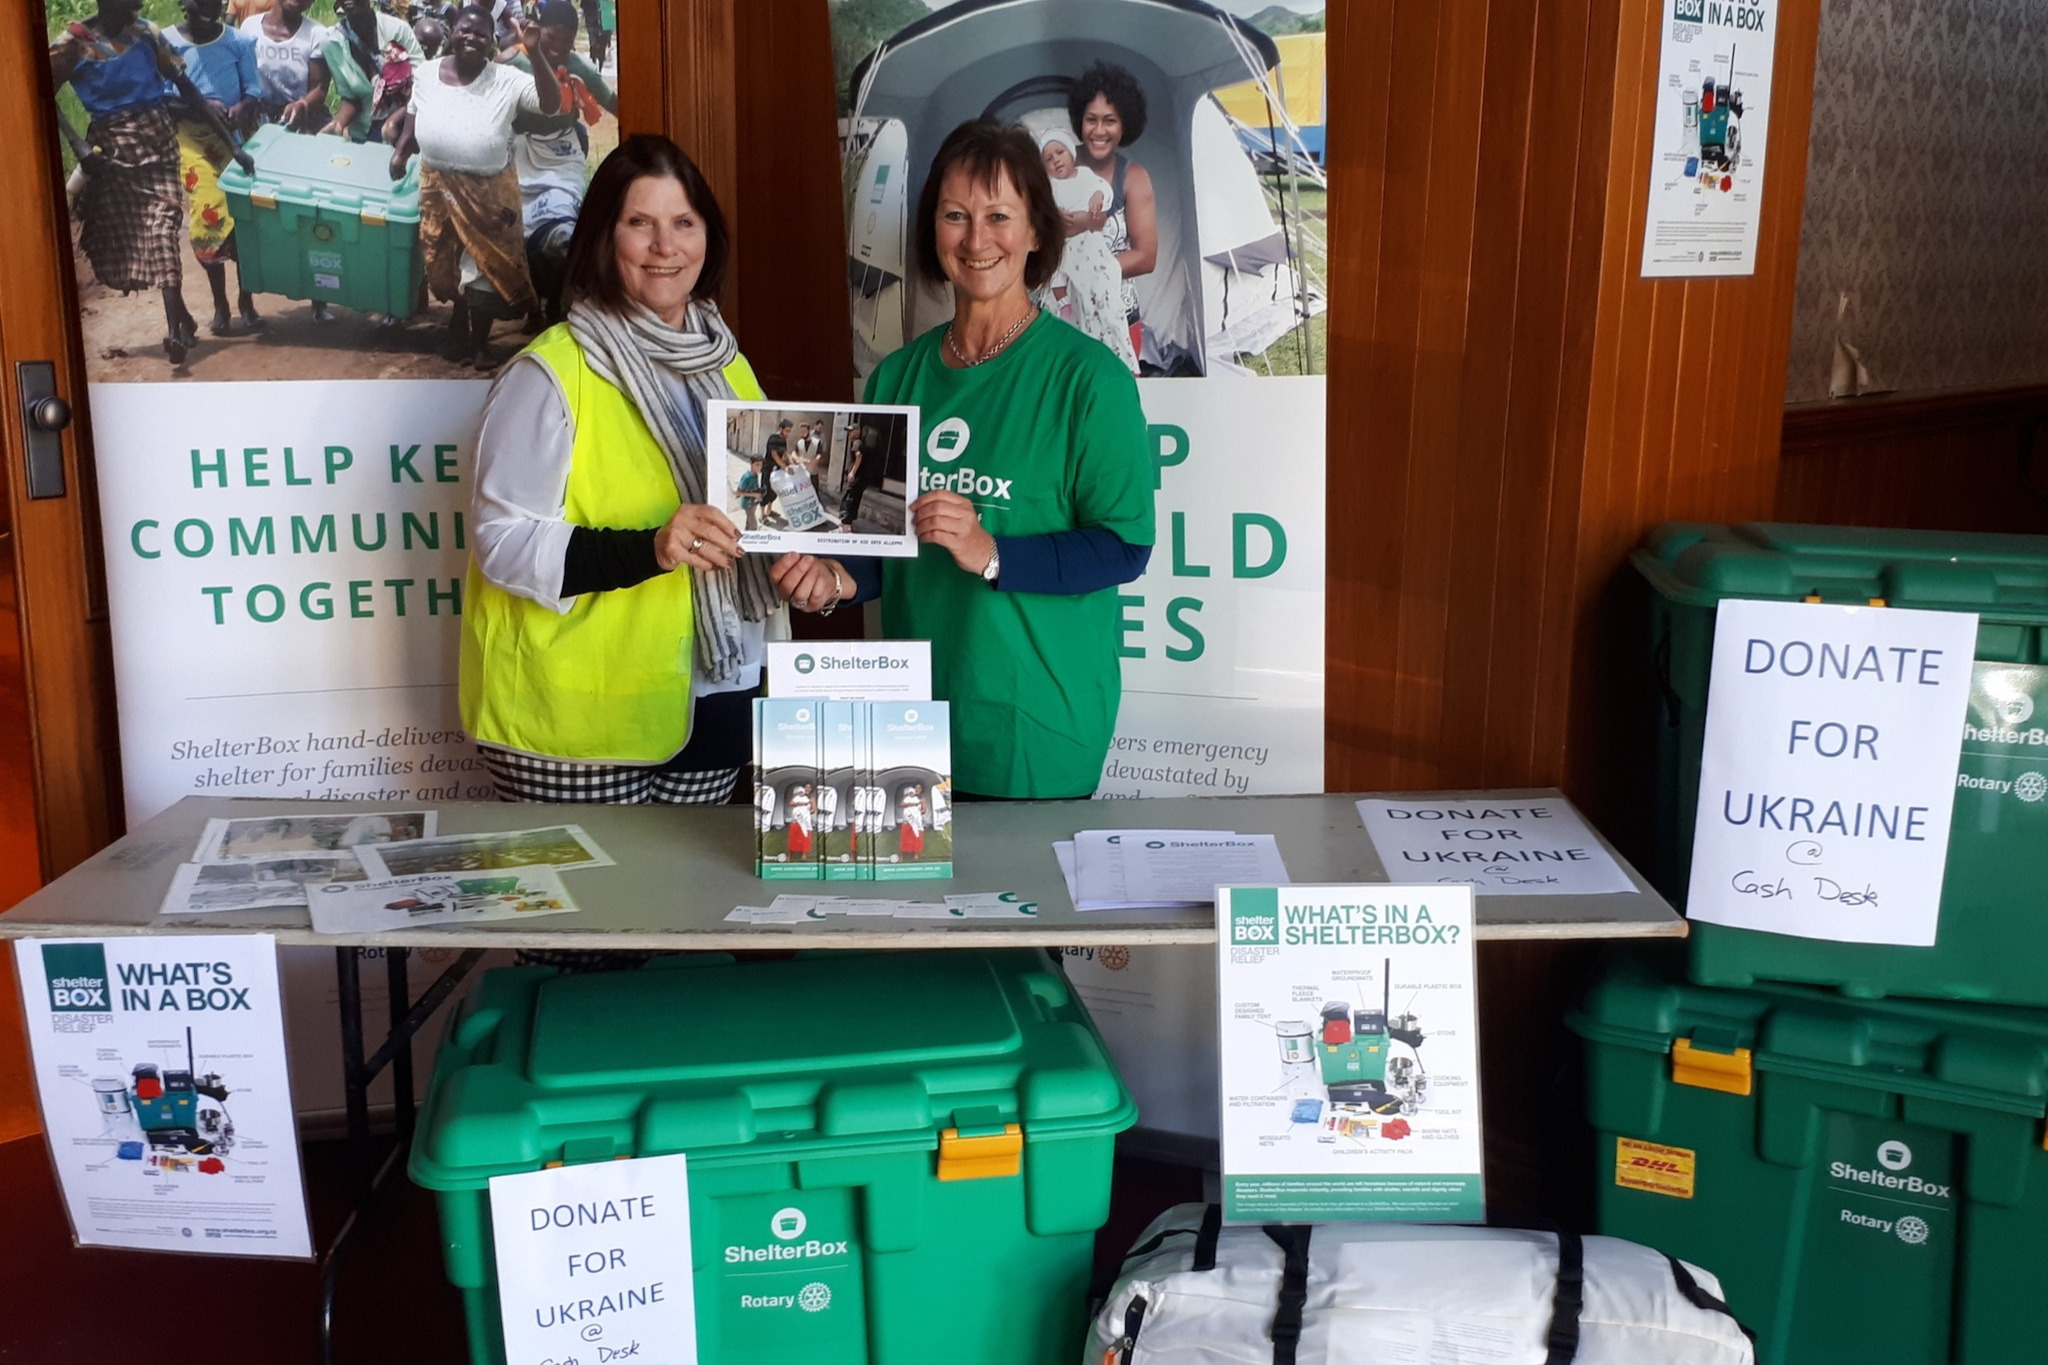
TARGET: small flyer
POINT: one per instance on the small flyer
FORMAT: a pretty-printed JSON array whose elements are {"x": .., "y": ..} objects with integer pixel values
[
  {"x": 275, "y": 881},
  {"x": 160, "y": 1065},
  {"x": 826, "y": 479},
  {"x": 1708, "y": 138},
  {"x": 259, "y": 836},
  {"x": 1828, "y": 775},
  {"x": 1348, "y": 1042},
  {"x": 428, "y": 898},
  {"x": 594, "y": 1262}
]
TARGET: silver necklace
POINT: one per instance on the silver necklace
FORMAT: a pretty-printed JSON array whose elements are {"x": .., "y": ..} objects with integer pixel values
[{"x": 1002, "y": 342}]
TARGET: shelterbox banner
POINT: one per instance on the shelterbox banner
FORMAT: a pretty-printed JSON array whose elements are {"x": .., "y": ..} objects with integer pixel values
[
  {"x": 1222, "y": 645},
  {"x": 284, "y": 474}
]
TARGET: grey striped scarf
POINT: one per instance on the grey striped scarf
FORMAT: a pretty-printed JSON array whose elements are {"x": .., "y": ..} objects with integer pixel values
[{"x": 624, "y": 348}]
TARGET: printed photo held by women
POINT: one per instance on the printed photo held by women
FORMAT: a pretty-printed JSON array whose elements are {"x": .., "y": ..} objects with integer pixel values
[
  {"x": 131, "y": 209},
  {"x": 1014, "y": 586},
  {"x": 460, "y": 121},
  {"x": 613, "y": 631}
]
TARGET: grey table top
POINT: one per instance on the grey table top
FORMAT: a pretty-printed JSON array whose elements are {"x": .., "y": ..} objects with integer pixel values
[{"x": 681, "y": 870}]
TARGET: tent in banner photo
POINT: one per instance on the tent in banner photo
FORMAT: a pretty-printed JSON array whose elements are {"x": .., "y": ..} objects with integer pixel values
[{"x": 1240, "y": 257}]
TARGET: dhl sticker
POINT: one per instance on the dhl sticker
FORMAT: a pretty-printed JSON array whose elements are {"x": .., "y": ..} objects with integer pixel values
[{"x": 1654, "y": 1168}]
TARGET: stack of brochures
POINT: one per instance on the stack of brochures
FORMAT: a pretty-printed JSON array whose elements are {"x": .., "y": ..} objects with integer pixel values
[
  {"x": 1137, "y": 869},
  {"x": 852, "y": 790}
]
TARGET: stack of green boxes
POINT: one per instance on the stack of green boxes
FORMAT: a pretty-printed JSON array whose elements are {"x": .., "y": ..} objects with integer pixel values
[
  {"x": 1866, "y": 1173},
  {"x": 942, "y": 1123}
]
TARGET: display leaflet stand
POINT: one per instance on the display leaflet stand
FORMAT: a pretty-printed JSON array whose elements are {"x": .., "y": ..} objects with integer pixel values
[{"x": 644, "y": 902}]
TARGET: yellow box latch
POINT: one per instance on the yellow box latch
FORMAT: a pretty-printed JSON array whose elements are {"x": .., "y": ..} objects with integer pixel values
[
  {"x": 979, "y": 1158},
  {"x": 371, "y": 217},
  {"x": 1731, "y": 1072},
  {"x": 263, "y": 199}
]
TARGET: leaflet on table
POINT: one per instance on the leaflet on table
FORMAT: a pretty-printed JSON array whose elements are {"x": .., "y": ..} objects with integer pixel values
[
  {"x": 1118, "y": 869},
  {"x": 814, "y": 909},
  {"x": 427, "y": 898},
  {"x": 1348, "y": 1047},
  {"x": 814, "y": 477},
  {"x": 852, "y": 790},
  {"x": 851, "y": 670},
  {"x": 1527, "y": 846},
  {"x": 275, "y": 881},
  {"x": 562, "y": 847},
  {"x": 255, "y": 836},
  {"x": 160, "y": 1064}
]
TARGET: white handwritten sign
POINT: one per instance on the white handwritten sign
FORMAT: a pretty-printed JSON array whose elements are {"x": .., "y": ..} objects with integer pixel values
[
  {"x": 1498, "y": 846},
  {"x": 1829, "y": 771},
  {"x": 594, "y": 1263}
]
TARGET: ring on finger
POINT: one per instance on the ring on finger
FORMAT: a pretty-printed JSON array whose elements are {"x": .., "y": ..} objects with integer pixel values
[{"x": 697, "y": 544}]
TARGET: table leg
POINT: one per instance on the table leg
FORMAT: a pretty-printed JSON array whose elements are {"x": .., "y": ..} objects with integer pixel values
[
  {"x": 355, "y": 1082},
  {"x": 401, "y": 1059}
]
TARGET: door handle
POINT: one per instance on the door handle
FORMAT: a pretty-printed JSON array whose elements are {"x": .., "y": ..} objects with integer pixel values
[{"x": 44, "y": 415}]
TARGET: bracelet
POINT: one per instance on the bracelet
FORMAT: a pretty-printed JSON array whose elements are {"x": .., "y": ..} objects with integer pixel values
[{"x": 838, "y": 594}]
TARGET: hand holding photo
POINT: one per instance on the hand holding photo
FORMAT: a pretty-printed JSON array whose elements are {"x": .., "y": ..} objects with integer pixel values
[{"x": 820, "y": 479}]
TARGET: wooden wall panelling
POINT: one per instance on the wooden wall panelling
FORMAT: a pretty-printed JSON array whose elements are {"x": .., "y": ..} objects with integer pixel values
[
  {"x": 698, "y": 72},
  {"x": 642, "y": 48},
  {"x": 58, "y": 571},
  {"x": 1941, "y": 461}
]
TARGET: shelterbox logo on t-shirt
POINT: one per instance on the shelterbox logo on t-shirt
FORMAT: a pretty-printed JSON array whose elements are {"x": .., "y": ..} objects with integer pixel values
[{"x": 947, "y": 443}]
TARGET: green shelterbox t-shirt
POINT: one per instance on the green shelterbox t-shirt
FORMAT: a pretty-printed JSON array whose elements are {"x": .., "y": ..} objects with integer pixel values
[{"x": 1046, "y": 437}]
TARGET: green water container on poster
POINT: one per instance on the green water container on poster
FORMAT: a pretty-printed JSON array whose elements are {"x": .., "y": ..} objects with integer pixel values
[
  {"x": 949, "y": 1116},
  {"x": 1992, "y": 938},
  {"x": 1867, "y": 1178},
  {"x": 322, "y": 219}
]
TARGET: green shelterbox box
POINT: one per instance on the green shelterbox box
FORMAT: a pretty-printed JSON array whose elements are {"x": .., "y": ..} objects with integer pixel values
[
  {"x": 1992, "y": 940},
  {"x": 322, "y": 219},
  {"x": 948, "y": 1116},
  {"x": 1867, "y": 1179}
]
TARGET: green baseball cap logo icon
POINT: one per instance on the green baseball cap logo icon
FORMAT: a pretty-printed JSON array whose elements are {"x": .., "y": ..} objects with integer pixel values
[{"x": 805, "y": 663}]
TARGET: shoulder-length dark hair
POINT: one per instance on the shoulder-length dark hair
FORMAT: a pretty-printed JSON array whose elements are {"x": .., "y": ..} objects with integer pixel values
[
  {"x": 991, "y": 152},
  {"x": 592, "y": 271},
  {"x": 1116, "y": 85}
]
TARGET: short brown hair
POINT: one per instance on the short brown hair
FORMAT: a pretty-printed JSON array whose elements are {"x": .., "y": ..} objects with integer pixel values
[
  {"x": 992, "y": 152},
  {"x": 592, "y": 270}
]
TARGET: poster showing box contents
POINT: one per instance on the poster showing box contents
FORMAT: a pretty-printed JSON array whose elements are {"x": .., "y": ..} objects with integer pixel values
[
  {"x": 1349, "y": 1048},
  {"x": 160, "y": 1063},
  {"x": 1707, "y": 150}
]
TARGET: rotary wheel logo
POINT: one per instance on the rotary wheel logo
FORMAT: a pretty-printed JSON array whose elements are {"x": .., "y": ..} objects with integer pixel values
[
  {"x": 2030, "y": 786},
  {"x": 816, "y": 1298},
  {"x": 1114, "y": 958},
  {"x": 1912, "y": 1231}
]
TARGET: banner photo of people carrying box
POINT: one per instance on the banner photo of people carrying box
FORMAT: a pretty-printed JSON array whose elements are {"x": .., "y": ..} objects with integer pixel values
[
  {"x": 285, "y": 558},
  {"x": 1193, "y": 168}
]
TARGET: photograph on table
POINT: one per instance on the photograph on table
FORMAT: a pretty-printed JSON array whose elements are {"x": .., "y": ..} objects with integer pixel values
[
  {"x": 559, "y": 846},
  {"x": 259, "y": 836},
  {"x": 1184, "y": 143},
  {"x": 823, "y": 479},
  {"x": 350, "y": 188},
  {"x": 430, "y": 898},
  {"x": 277, "y": 882}
]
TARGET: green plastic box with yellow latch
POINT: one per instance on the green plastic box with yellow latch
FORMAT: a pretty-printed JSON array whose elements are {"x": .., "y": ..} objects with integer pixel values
[
  {"x": 1867, "y": 1178},
  {"x": 948, "y": 1116},
  {"x": 322, "y": 219},
  {"x": 1991, "y": 940}
]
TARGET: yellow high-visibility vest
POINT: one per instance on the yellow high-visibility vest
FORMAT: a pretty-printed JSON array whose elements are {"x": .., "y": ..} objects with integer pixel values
[{"x": 609, "y": 681}]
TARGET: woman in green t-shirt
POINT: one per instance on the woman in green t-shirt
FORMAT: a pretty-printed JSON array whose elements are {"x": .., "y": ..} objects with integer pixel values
[{"x": 1035, "y": 495}]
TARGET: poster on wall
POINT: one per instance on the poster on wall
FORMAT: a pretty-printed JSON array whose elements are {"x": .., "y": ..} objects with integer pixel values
[
  {"x": 1708, "y": 138},
  {"x": 1350, "y": 1053},
  {"x": 160, "y": 1064},
  {"x": 284, "y": 388}
]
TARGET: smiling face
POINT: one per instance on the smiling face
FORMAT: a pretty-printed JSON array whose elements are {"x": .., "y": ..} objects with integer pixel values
[
  {"x": 1102, "y": 129},
  {"x": 471, "y": 42},
  {"x": 558, "y": 41},
  {"x": 1059, "y": 160},
  {"x": 983, "y": 235},
  {"x": 659, "y": 245}
]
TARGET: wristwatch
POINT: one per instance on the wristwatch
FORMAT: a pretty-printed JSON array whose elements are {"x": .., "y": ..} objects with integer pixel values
[{"x": 994, "y": 567}]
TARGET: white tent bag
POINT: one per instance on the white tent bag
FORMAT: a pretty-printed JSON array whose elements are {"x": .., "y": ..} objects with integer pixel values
[{"x": 1193, "y": 1292}]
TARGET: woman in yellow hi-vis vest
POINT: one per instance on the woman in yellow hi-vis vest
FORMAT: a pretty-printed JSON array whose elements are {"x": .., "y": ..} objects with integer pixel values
[{"x": 612, "y": 629}]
